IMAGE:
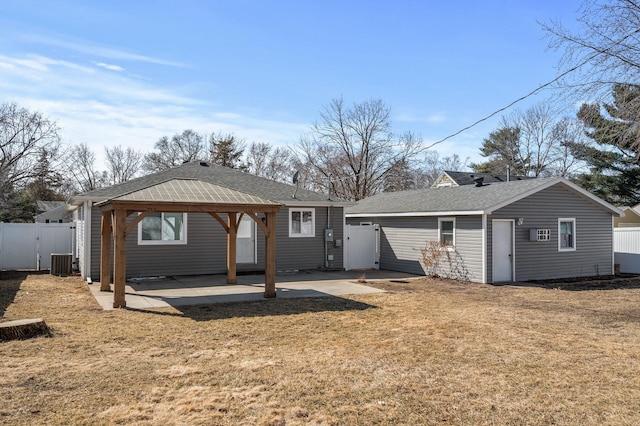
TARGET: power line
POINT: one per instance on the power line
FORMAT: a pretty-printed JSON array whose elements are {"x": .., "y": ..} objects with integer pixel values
[{"x": 536, "y": 90}]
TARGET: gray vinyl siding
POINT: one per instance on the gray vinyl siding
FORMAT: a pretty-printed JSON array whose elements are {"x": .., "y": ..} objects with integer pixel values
[
  {"x": 308, "y": 253},
  {"x": 95, "y": 218},
  {"x": 469, "y": 245},
  {"x": 402, "y": 239},
  {"x": 206, "y": 248},
  {"x": 541, "y": 259}
]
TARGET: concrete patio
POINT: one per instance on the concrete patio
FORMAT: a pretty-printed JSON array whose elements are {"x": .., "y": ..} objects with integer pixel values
[{"x": 162, "y": 292}]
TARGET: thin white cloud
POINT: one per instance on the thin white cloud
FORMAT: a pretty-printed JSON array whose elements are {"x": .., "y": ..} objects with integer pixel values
[
  {"x": 436, "y": 118},
  {"x": 420, "y": 118},
  {"x": 109, "y": 67},
  {"x": 97, "y": 50},
  {"x": 101, "y": 108},
  {"x": 38, "y": 63},
  {"x": 462, "y": 149}
]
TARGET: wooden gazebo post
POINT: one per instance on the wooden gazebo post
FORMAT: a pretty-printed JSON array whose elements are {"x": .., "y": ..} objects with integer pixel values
[
  {"x": 105, "y": 251},
  {"x": 270, "y": 256},
  {"x": 119, "y": 258},
  {"x": 232, "y": 232}
]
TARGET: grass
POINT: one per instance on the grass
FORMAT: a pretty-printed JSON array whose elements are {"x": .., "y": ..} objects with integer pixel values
[{"x": 426, "y": 352}]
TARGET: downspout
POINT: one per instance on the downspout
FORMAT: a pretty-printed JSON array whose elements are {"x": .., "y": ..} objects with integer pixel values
[
  {"x": 326, "y": 243},
  {"x": 484, "y": 248},
  {"x": 613, "y": 245},
  {"x": 88, "y": 217}
]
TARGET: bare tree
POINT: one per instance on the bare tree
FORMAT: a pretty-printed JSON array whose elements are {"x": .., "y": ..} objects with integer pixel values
[
  {"x": 532, "y": 143},
  {"x": 24, "y": 136},
  {"x": 181, "y": 148},
  {"x": 269, "y": 162},
  {"x": 605, "y": 48},
  {"x": 352, "y": 149},
  {"x": 536, "y": 143},
  {"x": 81, "y": 169},
  {"x": 566, "y": 134},
  {"x": 432, "y": 166},
  {"x": 122, "y": 164}
]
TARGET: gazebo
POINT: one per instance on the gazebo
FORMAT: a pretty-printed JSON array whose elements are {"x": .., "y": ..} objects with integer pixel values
[{"x": 180, "y": 195}]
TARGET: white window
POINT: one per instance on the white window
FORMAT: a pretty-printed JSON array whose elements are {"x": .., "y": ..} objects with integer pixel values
[
  {"x": 566, "y": 234},
  {"x": 302, "y": 222},
  {"x": 163, "y": 228},
  {"x": 447, "y": 231}
]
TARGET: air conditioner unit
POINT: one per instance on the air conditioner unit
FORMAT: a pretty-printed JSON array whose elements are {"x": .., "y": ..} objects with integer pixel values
[
  {"x": 61, "y": 264},
  {"x": 536, "y": 234}
]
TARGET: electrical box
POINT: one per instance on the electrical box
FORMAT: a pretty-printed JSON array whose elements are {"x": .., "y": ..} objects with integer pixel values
[
  {"x": 328, "y": 234},
  {"x": 338, "y": 243}
]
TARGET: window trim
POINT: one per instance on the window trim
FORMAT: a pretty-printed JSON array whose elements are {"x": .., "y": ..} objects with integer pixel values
[
  {"x": 182, "y": 241},
  {"x": 572, "y": 220},
  {"x": 453, "y": 232},
  {"x": 302, "y": 210}
]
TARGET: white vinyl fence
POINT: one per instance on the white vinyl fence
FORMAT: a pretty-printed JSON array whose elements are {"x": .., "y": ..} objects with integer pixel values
[
  {"x": 626, "y": 247},
  {"x": 29, "y": 245},
  {"x": 362, "y": 248}
]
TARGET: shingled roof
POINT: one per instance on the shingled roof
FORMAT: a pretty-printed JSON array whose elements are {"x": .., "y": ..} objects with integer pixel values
[
  {"x": 223, "y": 177},
  {"x": 469, "y": 178},
  {"x": 465, "y": 199}
]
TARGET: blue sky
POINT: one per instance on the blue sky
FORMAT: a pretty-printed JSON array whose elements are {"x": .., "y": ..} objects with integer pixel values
[{"x": 128, "y": 72}]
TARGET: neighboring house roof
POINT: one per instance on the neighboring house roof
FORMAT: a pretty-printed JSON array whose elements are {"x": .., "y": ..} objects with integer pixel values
[
  {"x": 469, "y": 178},
  {"x": 223, "y": 177},
  {"x": 63, "y": 211},
  {"x": 45, "y": 206},
  {"x": 462, "y": 200},
  {"x": 631, "y": 217}
]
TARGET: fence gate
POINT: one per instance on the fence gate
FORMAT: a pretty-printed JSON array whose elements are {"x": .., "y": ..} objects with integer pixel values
[
  {"x": 362, "y": 247},
  {"x": 29, "y": 245}
]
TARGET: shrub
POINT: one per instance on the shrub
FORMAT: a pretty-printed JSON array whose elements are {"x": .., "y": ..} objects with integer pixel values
[{"x": 444, "y": 261}]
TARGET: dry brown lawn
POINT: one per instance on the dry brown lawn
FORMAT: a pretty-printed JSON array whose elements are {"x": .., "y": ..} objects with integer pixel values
[{"x": 426, "y": 352}]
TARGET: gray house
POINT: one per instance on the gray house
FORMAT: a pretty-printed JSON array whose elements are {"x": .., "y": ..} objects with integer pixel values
[
  {"x": 52, "y": 212},
  {"x": 183, "y": 220},
  {"x": 498, "y": 232}
]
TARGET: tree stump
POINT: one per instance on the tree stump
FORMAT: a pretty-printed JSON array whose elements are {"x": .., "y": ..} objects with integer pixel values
[{"x": 23, "y": 329}]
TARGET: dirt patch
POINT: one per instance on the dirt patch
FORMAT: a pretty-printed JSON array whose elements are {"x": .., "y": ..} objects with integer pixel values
[{"x": 608, "y": 282}]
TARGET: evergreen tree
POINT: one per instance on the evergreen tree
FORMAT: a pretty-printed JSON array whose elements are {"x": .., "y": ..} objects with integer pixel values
[
  {"x": 613, "y": 154},
  {"x": 226, "y": 150},
  {"x": 502, "y": 148}
]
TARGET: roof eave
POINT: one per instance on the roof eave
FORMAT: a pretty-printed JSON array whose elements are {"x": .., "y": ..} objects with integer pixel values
[
  {"x": 420, "y": 214},
  {"x": 324, "y": 203}
]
